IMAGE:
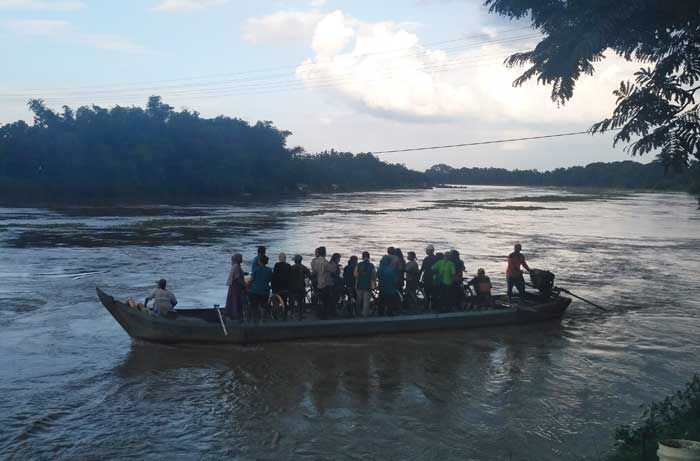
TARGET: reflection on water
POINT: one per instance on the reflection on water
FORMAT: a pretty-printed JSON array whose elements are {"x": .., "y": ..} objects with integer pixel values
[{"x": 74, "y": 386}]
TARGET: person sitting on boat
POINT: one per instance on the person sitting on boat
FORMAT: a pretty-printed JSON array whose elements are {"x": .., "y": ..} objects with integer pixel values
[
  {"x": 426, "y": 271},
  {"x": 164, "y": 300},
  {"x": 514, "y": 274},
  {"x": 365, "y": 282},
  {"x": 389, "y": 299},
  {"x": 259, "y": 292},
  {"x": 482, "y": 288},
  {"x": 281, "y": 275},
  {"x": 236, "y": 288},
  {"x": 412, "y": 277},
  {"x": 443, "y": 278},
  {"x": 299, "y": 274}
]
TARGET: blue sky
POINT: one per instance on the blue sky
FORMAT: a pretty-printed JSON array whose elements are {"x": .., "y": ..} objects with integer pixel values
[{"x": 351, "y": 75}]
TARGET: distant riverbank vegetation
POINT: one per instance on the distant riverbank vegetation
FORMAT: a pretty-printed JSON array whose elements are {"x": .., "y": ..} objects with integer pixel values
[
  {"x": 157, "y": 154},
  {"x": 627, "y": 174}
]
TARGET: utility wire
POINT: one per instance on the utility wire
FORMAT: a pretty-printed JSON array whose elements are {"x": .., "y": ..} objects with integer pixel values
[
  {"x": 480, "y": 143},
  {"x": 102, "y": 89}
]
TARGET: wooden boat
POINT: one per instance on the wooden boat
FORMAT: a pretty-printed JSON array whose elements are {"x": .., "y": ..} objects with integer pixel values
[{"x": 205, "y": 325}]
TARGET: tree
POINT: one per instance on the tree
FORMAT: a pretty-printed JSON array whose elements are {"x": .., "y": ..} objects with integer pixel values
[{"x": 657, "y": 111}]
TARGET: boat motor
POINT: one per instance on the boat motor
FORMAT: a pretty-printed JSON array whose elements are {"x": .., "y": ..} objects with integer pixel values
[{"x": 543, "y": 281}]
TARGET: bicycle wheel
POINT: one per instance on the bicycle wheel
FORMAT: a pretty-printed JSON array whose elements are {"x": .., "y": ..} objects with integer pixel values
[{"x": 277, "y": 307}]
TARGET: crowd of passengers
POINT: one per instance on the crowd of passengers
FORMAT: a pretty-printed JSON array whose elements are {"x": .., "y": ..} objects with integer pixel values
[{"x": 397, "y": 278}]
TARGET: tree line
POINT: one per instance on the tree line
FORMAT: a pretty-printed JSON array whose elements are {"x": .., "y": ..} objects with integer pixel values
[
  {"x": 158, "y": 154},
  {"x": 625, "y": 174}
]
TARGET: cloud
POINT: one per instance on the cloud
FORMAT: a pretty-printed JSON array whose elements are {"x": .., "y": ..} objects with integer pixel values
[
  {"x": 282, "y": 27},
  {"x": 41, "y": 5},
  {"x": 46, "y": 27},
  {"x": 318, "y": 3},
  {"x": 383, "y": 69},
  {"x": 171, "y": 6},
  {"x": 62, "y": 30}
]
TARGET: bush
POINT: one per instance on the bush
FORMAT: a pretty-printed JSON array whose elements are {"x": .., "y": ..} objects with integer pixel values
[{"x": 677, "y": 416}]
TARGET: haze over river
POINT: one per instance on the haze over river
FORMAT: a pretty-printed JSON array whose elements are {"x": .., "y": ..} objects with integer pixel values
[{"x": 74, "y": 386}]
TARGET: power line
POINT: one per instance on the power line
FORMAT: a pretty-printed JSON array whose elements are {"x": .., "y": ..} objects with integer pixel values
[
  {"x": 248, "y": 81},
  {"x": 480, "y": 143}
]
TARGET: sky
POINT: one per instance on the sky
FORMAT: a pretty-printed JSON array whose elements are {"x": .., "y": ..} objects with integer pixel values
[{"x": 358, "y": 76}]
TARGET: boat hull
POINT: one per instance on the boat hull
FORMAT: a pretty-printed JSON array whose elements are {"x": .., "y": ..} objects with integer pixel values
[{"x": 204, "y": 325}]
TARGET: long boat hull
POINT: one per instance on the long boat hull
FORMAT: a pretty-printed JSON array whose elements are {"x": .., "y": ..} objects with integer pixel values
[{"x": 204, "y": 325}]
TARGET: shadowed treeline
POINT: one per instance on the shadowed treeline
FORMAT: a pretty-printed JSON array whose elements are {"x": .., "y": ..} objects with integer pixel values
[
  {"x": 156, "y": 153},
  {"x": 627, "y": 174}
]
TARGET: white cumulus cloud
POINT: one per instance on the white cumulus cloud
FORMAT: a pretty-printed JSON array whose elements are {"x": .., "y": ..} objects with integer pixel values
[
  {"x": 186, "y": 5},
  {"x": 282, "y": 27},
  {"x": 383, "y": 68},
  {"x": 67, "y": 5}
]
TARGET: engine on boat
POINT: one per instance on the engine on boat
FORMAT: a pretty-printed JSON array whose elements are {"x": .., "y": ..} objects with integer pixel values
[{"x": 543, "y": 281}]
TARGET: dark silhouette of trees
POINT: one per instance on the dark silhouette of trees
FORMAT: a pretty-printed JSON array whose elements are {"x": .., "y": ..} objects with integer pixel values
[
  {"x": 657, "y": 112},
  {"x": 627, "y": 174},
  {"x": 157, "y": 153}
]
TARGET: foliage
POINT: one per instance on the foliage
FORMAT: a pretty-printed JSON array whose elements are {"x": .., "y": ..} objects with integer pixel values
[
  {"x": 677, "y": 416},
  {"x": 627, "y": 174},
  {"x": 157, "y": 153},
  {"x": 657, "y": 112}
]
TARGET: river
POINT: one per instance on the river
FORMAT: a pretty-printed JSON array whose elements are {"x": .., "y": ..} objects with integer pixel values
[{"x": 74, "y": 386}]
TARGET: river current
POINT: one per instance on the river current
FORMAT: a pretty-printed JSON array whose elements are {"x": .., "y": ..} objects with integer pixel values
[{"x": 74, "y": 386}]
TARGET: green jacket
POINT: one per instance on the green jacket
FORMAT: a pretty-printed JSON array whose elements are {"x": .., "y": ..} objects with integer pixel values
[{"x": 444, "y": 272}]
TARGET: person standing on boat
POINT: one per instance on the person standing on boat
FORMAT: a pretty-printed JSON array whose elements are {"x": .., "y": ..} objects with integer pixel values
[
  {"x": 236, "y": 288},
  {"x": 400, "y": 269},
  {"x": 365, "y": 282},
  {"x": 319, "y": 270},
  {"x": 163, "y": 299},
  {"x": 349, "y": 282},
  {"x": 261, "y": 276},
  {"x": 281, "y": 275},
  {"x": 336, "y": 288},
  {"x": 443, "y": 277},
  {"x": 261, "y": 252},
  {"x": 388, "y": 294},
  {"x": 412, "y": 277},
  {"x": 457, "y": 295},
  {"x": 299, "y": 274},
  {"x": 514, "y": 274},
  {"x": 426, "y": 271}
]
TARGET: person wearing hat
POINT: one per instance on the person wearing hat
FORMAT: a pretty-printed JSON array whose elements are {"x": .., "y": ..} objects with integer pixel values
[
  {"x": 514, "y": 274},
  {"x": 163, "y": 299},
  {"x": 426, "y": 271}
]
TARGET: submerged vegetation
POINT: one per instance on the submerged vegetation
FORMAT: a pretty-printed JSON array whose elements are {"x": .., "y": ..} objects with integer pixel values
[{"x": 676, "y": 417}]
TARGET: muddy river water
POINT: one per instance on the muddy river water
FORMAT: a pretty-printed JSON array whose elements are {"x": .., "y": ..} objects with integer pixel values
[{"x": 74, "y": 386}]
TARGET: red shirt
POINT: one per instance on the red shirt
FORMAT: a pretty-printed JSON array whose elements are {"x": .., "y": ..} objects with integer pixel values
[{"x": 515, "y": 260}]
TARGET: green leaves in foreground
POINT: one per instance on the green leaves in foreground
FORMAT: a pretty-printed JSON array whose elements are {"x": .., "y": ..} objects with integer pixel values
[{"x": 677, "y": 416}]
